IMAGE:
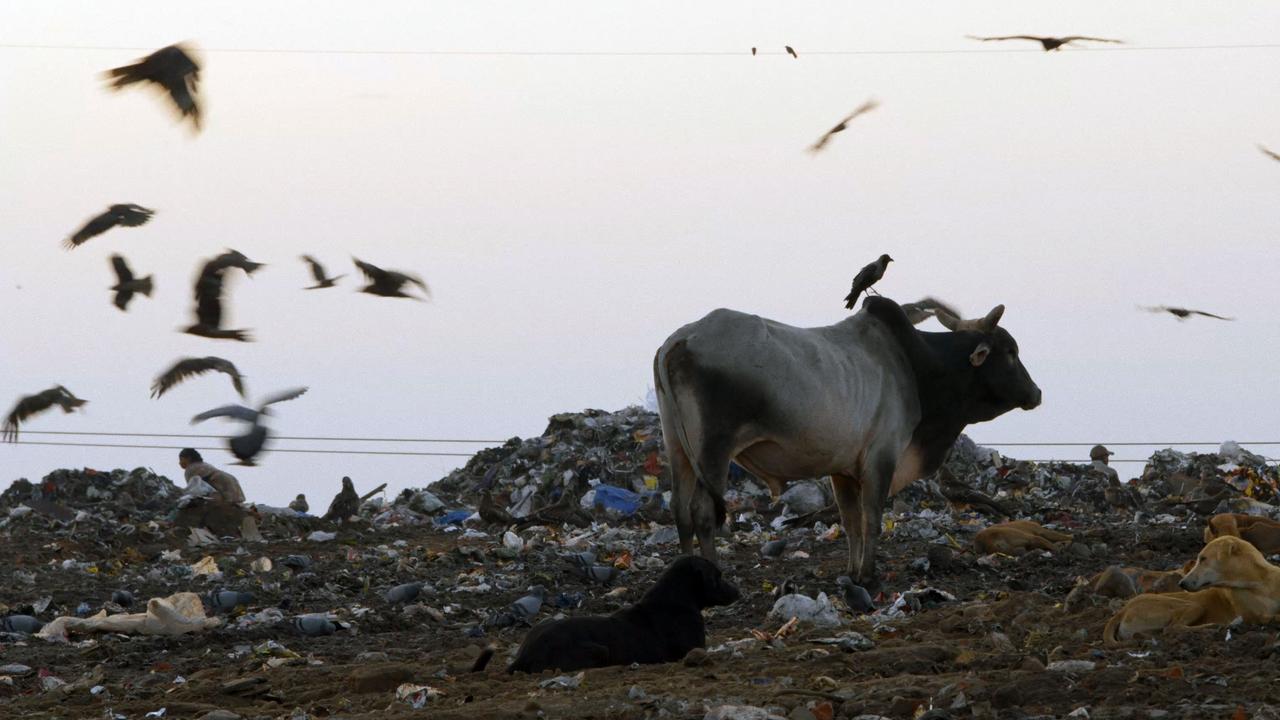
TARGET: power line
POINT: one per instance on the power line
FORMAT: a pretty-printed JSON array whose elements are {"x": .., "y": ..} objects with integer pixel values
[
  {"x": 274, "y": 437},
  {"x": 402, "y": 453},
  {"x": 274, "y": 450},
  {"x": 643, "y": 53},
  {"x": 1119, "y": 444},
  {"x": 320, "y": 438}
]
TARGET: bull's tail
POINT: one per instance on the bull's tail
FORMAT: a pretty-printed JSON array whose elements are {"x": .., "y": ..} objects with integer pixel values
[{"x": 667, "y": 404}]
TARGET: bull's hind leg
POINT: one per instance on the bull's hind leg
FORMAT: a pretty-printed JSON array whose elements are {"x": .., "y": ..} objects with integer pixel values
[
  {"x": 707, "y": 508},
  {"x": 684, "y": 484},
  {"x": 846, "y": 489}
]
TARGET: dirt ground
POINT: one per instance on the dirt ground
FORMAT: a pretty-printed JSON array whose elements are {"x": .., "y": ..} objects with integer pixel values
[{"x": 984, "y": 655}]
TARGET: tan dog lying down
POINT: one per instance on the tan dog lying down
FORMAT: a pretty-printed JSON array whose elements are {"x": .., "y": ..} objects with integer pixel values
[
  {"x": 1017, "y": 537},
  {"x": 177, "y": 614},
  {"x": 1230, "y": 579},
  {"x": 1260, "y": 532}
]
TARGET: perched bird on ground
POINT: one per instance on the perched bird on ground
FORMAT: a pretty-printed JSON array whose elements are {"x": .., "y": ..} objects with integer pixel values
[
  {"x": 126, "y": 284},
  {"x": 1269, "y": 153},
  {"x": 843, "y": 125},
  {"x": 248, "y": 445},
  {"x": 1048, "y": 43},
  {"x": 865, "y": 278},
  {"x": 408, "y": 592},
  {"x": 345, "y": 504},
  {"x": 120, "y": 214},
  {"x": 855, "y": 596},
  {"x": 208, "y": 296},
  {"x": 389, "y": 283},
  {"x": 1182, "y": 313},
  {"x": 172, "y": 69},
  {"x": 317, "y": 271},
  {"x": 222, "y": 600},
  {"x": 33, "y": 404},
  {"x": 188, "y": 367},
  {"x": 925, "y": 308},
  {"x": 299, "y": 504},
  {"x": 520, "y": 612},
  {"x": 791, "y": 51}
]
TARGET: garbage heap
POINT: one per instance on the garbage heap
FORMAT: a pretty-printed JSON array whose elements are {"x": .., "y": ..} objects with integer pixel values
[
  {"x": 577, "y": 453},
  {"x": 140, "y": 493}
]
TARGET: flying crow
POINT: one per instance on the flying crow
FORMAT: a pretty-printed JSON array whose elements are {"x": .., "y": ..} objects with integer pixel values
[
  {"x": 126, "y": 214},
  {"x": 126, "y": 284},
  {"x": 172, "y": 69},
  {"x": 389, "y": 283},
  {"x": 841, "y": 126},
  {"x": 33, "y": 404},
  {"x": 1048, "y": 43},
  {"x": 317, "y": 271},
  {"x": 188, "y": 367}
]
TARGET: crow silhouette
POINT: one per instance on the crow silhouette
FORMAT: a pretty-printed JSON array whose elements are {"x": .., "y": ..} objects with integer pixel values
[
  {"x": 1048, "y": 43},
  {"x": 121, "y": 214},
  {"x": 33, "y": 404},
  {"x": 190, "y": 367},
  {"x": 126, "y": 284},
  {"x": 173, "y": 70},
  {"x": 843, "y": 125}
]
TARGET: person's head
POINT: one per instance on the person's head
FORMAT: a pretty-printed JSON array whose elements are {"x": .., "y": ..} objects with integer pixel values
[{"x": 188, "y": 456}]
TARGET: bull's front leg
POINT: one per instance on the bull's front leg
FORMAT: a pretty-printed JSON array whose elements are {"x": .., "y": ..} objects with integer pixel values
[
  {"x": 871, "y": 516},
  {"x": 874, "y": 494},
  {"x": 846, "y": 489}
]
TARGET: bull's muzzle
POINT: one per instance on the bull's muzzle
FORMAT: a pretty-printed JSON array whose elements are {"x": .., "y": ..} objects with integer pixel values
[{"x": 1033, "y": 401}]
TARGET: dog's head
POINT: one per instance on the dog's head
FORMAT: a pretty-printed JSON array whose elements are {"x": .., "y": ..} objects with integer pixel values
[
  {"x": 693, "y": 581},
  {"x": 1225, "y": 562}
]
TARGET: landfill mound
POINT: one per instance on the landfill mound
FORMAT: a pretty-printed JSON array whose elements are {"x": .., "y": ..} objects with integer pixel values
[
  {"x": 139, "y": 491},
  {"x": 382, "y": 614}
]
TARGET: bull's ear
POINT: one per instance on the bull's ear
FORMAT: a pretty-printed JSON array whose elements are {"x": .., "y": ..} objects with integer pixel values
[
  {"x": 979, "y": 354},
  {"x": 989, "y": 322}
]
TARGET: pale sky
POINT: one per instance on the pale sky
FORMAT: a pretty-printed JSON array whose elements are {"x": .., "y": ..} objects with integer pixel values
[{"x": 570, "y": 212}]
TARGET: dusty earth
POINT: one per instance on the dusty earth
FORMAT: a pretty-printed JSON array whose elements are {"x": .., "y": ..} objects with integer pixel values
[{"x": 984, "y": 655}]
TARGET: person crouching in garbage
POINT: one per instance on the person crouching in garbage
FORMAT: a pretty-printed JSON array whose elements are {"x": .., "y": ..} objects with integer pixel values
[
  {"x": 205, "y": 480},
  {"x": 213, "y": 500}
]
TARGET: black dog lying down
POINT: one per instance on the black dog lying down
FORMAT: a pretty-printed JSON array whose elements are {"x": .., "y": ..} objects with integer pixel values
[{"x": 663, "y": 627}]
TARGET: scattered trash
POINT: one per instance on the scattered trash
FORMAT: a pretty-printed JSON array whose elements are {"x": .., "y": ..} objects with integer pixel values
[
  {"x": 416, "y": 696},
  {"x": 563, "y": 682},
  {"x": 178, "y": 614},
  {"x": 819, "y": 612},
  {"x": 321, "y": 536}
]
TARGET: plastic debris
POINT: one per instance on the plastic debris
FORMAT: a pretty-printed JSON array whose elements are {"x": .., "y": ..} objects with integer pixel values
[
  {"x": 563, "y": 682},
  {"x": 416, "y": 696},
  {"x": 819, "y": 612}
]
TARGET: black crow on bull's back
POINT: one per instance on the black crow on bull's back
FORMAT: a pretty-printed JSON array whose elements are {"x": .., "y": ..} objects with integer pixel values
[{"x": 871, "y": 401}]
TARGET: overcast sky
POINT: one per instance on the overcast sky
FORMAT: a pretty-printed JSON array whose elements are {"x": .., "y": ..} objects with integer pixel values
[{"x": 570, "y": 212}]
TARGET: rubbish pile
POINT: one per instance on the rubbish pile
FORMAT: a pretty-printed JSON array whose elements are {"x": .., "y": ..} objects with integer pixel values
[
  {"x": 139, "y": 492},
  {"x": 586, "y": 455}
]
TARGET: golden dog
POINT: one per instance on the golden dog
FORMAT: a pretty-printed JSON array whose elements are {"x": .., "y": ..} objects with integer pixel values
[
  {"x": 1017, "y": 537},
  {"x": 1229, "y": 579},
  {"x": 1260, "y": 532}
]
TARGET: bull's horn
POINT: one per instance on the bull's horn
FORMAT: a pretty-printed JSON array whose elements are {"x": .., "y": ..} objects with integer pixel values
[
  {"x": 989, "y": 322},
  {"x": 949, "y": 321}
]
